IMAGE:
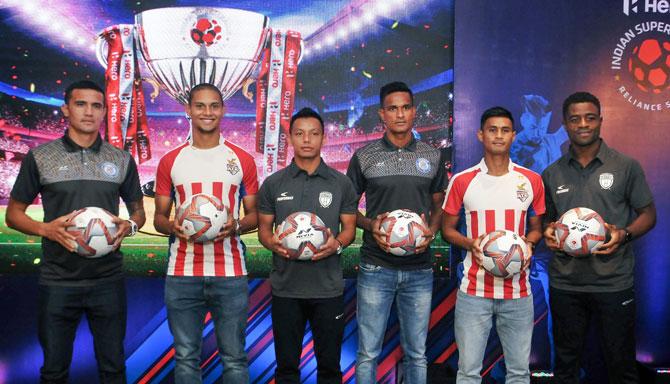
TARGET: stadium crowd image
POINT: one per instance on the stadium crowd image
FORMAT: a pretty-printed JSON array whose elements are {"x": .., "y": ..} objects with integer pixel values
[{"x": 341, "y": 191}]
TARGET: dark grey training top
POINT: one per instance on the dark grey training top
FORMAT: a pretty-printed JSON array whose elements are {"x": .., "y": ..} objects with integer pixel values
[
  {"x": 396, "y": 178},
  {"x": 612, "y": 185},
  {"x": 70, "y": 177},
  {"x": 326, "y": 192}
]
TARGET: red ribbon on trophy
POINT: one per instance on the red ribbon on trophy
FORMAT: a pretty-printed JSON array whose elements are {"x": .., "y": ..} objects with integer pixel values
[
  {"x": 275, "y": 87},
  {"x": 127, "y": 126}
]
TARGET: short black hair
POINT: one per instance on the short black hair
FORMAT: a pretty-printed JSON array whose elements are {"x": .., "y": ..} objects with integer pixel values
[
  {"x": 83, "y": 84},
  {"x": 203, "y": 86},
  {"x": 396, "y": 86},
  {"x": 495, "y": 112},
  {"x": 305, "y": 113},
  {"x": 580, "y": 97}
]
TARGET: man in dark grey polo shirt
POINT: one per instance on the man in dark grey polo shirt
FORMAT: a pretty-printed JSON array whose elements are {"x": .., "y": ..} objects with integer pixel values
[
  {"x": 600, "y": 285},
  {"x": 73, "y": 172},
  {"x": 307, "y": 290},
  {"x": 396, "y": 172}
]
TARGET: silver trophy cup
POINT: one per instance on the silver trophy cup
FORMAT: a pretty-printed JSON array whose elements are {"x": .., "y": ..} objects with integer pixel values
[{"x": 185, "y": 46}]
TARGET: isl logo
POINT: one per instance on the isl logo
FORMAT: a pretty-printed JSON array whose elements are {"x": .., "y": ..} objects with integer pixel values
[
  {"x": 649, "y": 64},
  {"x": 206, "y": 31},
  {"x": 640, "y": 63}
]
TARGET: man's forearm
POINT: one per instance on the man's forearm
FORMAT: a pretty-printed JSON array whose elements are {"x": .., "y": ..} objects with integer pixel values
[
  {"x": 456, "y": 238},
  {"x": 249, "y": 222},
  {"x": 136, "y": 213},
  {"x": 363, "y": 222},
  {"x": 16, "y": 218},
  {"x": 162, "y": 224}
]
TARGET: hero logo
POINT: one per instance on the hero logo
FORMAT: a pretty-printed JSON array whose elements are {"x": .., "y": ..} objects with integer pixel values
[{"x": 650, "y": 6}]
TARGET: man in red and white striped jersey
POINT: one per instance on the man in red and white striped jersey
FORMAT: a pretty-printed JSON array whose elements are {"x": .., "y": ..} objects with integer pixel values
[
  {"x": 207, "y": 277},
  {"x": 493, "y": 195}
]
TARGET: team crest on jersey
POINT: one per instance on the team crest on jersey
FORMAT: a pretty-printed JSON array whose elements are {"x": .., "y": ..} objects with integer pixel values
[
  {"x": 423, "y": 165},
  {"x": 521, "y": 192},
  {"x": 232, "y": 167},
  {"x": 325, "y": 199},
  {"x": 109, "y": 169},
  {"x": 606, "y": 180}
]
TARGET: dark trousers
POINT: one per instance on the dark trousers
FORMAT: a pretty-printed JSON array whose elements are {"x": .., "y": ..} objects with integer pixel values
[
  {"x": 614, "y": 315},
  {"x": 60, "y": 310},
  {"x": 326, "y": 318}
]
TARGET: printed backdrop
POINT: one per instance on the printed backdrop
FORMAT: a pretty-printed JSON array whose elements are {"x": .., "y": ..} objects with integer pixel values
[{"x": 351, "y": 48}]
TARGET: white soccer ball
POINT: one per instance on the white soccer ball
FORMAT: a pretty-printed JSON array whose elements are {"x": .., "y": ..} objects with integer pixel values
[
  {"x": 504, "y": 253},
  {"x": 579, "y": 231},
  {"x": 93, "y": 230},
  {"x": 202, "y": 217},
  {"x": 302, "y": 234},
  {"x": 404, "y": 231}
]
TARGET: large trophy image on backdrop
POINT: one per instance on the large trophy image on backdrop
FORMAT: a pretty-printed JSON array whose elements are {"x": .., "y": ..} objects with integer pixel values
[{"x": 185, "y": 46}]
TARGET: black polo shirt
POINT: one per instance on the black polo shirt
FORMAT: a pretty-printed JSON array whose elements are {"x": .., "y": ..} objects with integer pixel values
[
  {"x": 612, "y": 185},
  {"x": 396, "y": 178},
  {"x": 70, "y": 177},
  {"x": 326, "y": 192}
]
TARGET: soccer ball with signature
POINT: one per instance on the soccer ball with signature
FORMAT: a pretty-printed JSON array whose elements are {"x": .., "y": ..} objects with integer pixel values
[
  {"x": 504, "y": 253},
  {"x": 302, "y": 234},
  {"x": 579, "y": 231},
  {"x": 404, "y": 231},
  {"x": 202, "y": 217},
  {"x": 93, "y": 230}
]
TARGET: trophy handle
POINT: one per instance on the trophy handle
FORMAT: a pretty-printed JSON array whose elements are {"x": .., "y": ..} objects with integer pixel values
[{"x": 101, "y": 49}]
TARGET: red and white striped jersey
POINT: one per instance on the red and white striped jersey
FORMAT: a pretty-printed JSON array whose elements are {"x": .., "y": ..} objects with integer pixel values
[
  {"x": 225, "y": 171},
  {"x": 492, "y": 203}
]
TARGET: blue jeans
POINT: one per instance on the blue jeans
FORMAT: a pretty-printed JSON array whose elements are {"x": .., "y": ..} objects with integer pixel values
[
  {"x": 413, "y": 291},
  {"x": 472, "y": 325},
  {"x": 188, "y": 299},
  {"x": 60, "y": 310}
]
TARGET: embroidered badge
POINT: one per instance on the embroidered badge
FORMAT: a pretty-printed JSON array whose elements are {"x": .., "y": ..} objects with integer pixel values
[
  {"x": 232, "y": 167},
  {"x": 423, "y": 165},
  {"x": 325, "y": 199},
  {"x": 109, "y": 169},
  {"x": 521, "y": 192},
  {"x": 606, "y": 180}
]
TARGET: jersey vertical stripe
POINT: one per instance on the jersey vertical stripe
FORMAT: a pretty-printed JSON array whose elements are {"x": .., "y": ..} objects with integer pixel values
[
  {"x": 226, "y": 172},
  {"x": 491, "y": 203}
]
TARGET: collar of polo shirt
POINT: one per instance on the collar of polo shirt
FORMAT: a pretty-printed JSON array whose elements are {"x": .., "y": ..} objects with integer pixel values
[
  {"x": 71, "y": 146},
  {"x": 321, "y": 170},
  {"x": 411, "y": 146},
  {"x": 603, "y": 153}
]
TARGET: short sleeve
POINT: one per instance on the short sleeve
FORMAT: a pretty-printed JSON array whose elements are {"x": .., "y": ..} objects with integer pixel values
[
  {"x": 454, "y": 199},
  {"x": 349, "y": 197},
  {"x": 440, "y": 181},
  {"x": 130, "y": 190},
  {"x": 265, "y": 200},
  {"x": 27, "y": 185},
  {"x": 163, "y": 178},
  {"x": 550, "y": 213},
  {"x": 355, "y": 174},
  {"x": 249, "y": 177},
  {"x": 637, "y": 190}
]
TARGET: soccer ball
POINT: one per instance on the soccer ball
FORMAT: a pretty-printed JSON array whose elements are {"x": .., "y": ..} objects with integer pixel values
[
  {"x": 202, "y": 217},
  {"x": 579, "y": 231},
  {"x": 404, "y": 231},
  {"x": 302, "y": 234},
  {"x": 93, "y": 230},
  {"x": 206, "y": 32},
  {"x": 504, "y": 253},
  {"x": 649, "y": 64}
]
